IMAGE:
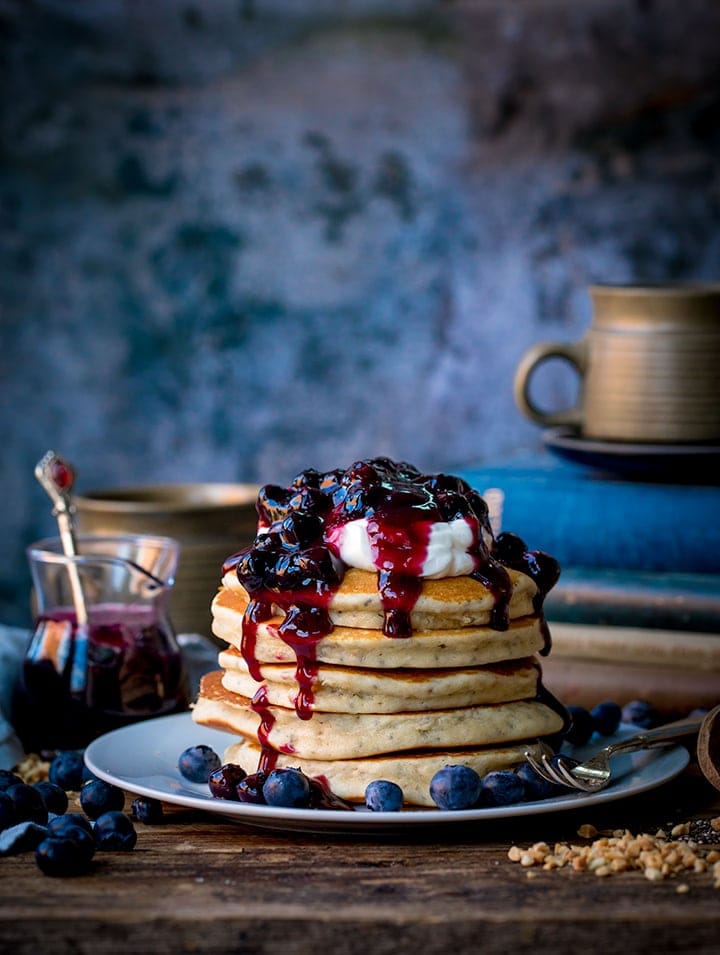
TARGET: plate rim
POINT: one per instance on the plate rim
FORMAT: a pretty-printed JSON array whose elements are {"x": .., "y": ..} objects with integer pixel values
[{"x": 361, "y": 820}]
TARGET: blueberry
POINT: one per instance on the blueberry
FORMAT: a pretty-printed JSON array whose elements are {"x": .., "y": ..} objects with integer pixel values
[
  {"x": 250, "y": 789},
  {"x": 54, "y": 796},
  {"x": 29, "y": 804},
  {"x": 223, "y": 782},
  {"x": 8, "y": 778},
  {"x": 197, "y": 762},
  {"x": 582, "y": 725},
  {"x": 502, "y": 787},
  {"x": 66, "y": 770},
  {"x": 381, "y": 795},
  {"x": 67, "y": 855},
  {"x": 8, "y": 816},
  {"x": 535, "y": 786},
  {"x": 455, "y": 787},
  {"x": 71, "y": 820},
  {"x": 640, "y": 713},
  {"x": 97, "y": 797},
  {"x": 147, "y": 810},
  {"x": 286, "y": 787},
  {"x": 606, "y": 717},
  {"x": 114, "y": 831}
]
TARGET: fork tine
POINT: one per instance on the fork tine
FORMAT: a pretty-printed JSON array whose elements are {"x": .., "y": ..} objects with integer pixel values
[
  {"x": 564, "y": 775},
  {"x": 541, "y": 766}
]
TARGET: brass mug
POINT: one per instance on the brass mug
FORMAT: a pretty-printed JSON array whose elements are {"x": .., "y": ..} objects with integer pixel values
[{"x": 649, "y": 366}]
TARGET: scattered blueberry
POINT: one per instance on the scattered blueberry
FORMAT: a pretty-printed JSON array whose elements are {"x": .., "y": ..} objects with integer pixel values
[
  {"x": 71, "y": 820},
  {"x": 250, "y": 789},
  {"x": 29, "y": 804},
  {"x": 455, "y": 787},
  {"x": 502, "y": 787},
  {"x": 147, "y": 810},
  {"x": 286, "y": 787},
  {"x": 8, "y": 778},
  {"x": 87, "y": 774},
  {"x": 640, "y": 713},
  {"x": 114, "y": 831},
  {"x": 23, "y": 837},
  {"x": 223, "y": 782},
  {"x": 582, "y": 725},
  {"x": 54, "y": 796},
  {"x": 66, "y": 855},
  {"x": 535, "y": 786},
  {"x": 381, "y": 795},
  {"x": 97, "y": 797},
  {"x": 197, "y": 762},
  {"x": 8, "y": 816},
  {"x": 66, "y": 770},
  {"x": 606, "y": 717}
]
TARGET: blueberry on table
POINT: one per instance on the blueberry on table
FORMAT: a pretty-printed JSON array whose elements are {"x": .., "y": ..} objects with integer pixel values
[
  {"x": 535, "y": 786},
  {"x": 71, "y": 820},
  {"x": 67, "y": 855},
  {"x": 455, "y": 787},
  {"x": 114, "y": 831},
  {"x": 582, "y": 725},
  {"x": 54, "y": 796},
  {"x": 97, "y": 797},
  {"x": 7, "y": 812},
  {"x": 223, "y": 782},
  {"x": 286, "y": 787},
  {"x": 382, "y": 795},
  {"x": 8, "y": 778},
  {"x": 640, "y": 713},
  {"x": 147, "y": 810},
  {"x": 502, "y": 787},
  {"x": 606, "y": 717},
  {"x": 66, "y": 770},
  {"x": 197, "y": 762},
  {"x": 29, "y": 804}
]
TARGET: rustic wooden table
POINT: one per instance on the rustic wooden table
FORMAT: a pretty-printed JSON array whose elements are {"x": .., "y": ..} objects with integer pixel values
[{"x": 198, "y": 883}]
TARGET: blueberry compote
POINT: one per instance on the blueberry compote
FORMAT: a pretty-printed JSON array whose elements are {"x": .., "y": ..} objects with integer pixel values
[
  {"x": 76, "y": 686},
  {"x": 294, "y": 563}
]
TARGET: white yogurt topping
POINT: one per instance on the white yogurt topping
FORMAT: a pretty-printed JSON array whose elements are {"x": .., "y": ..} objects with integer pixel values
[{"x": 447, "y": 548}]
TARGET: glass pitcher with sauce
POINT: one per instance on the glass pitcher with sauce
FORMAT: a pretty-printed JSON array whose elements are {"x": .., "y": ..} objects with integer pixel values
[{"x": 104, "y": 660}]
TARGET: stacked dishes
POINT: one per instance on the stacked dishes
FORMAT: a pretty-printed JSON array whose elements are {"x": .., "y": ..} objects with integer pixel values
[{"x": 377, "y": 630}]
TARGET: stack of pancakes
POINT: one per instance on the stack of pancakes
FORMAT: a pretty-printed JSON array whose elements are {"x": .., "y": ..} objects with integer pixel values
[{"x": 362, "y": 706}]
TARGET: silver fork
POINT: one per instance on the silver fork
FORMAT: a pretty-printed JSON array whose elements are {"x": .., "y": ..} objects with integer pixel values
[{"x": 595, "y": 773}]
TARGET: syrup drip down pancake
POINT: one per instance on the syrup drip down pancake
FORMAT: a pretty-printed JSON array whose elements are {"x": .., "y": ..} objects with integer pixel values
[{"x": 376, "y": 629}]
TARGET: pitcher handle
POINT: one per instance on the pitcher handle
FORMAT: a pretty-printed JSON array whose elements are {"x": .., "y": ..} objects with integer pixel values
[{"x": 572, "y": 352}]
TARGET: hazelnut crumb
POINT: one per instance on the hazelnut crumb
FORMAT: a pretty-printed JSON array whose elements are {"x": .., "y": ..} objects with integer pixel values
[
  {"x": 587, "y": 831},
  {"x": 682, "y": 888}
]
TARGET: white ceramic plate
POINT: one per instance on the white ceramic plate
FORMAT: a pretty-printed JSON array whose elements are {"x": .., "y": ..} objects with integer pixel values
[{"x": 142, "y": 759}]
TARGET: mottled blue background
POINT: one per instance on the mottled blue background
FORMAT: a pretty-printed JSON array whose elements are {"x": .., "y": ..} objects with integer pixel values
[{"x": 243, "y": 238}]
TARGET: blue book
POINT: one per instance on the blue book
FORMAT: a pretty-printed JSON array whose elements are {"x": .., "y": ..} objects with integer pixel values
[{"x": 589, "y": 520}]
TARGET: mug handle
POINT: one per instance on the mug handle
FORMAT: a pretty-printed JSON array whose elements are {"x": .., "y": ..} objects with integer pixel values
[{"x": 573, "y": 352}]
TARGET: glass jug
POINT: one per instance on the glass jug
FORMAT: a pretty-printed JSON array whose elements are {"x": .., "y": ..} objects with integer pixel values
[{"x": 108, "y": 661}]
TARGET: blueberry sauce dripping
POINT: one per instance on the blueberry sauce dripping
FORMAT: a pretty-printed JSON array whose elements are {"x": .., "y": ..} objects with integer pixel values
[{"x": 294, "y": 566}]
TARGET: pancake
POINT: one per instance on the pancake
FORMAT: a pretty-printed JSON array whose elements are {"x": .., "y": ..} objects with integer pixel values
[
  {"x": 411, "y": 771},
  {"x": 446, "y": 603},
  {"x": 332, "y": 736},
  {"x": 340, "y": 689},
  {"x": 358, "y": 647}
]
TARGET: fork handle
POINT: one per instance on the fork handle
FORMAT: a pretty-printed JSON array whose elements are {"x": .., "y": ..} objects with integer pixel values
[{"x": 660, "y": 736}]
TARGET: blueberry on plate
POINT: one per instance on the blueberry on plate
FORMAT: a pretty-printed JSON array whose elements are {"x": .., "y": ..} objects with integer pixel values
[
  {"x": 503, "y": 787},
  {"x": 58, "y": 825},
  {"x": 286, "y": 787},
  {"x": 640, "y": 713},
  {"x": 535, "y": 786},
  {"x": 250, "y": 789},
  {"x": 455, "y": 787},
  {"x": 582, "y": 725},
  {"x": 147, "y": 810},
  {"x": 66, "y": 770},
  {"x": 114, "y": 831},
  {"x": 223, "y": 782},
  {"x": 382, "y": 795},
  {"x": 66, "y": 855},
  {"x": 29, "y": 804},
  {"x": 197, "y": 762},
  {"x": 97, "y": 797},
  {"x": 54, "y": 796},
  {"x": 606, "y": 717}
]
